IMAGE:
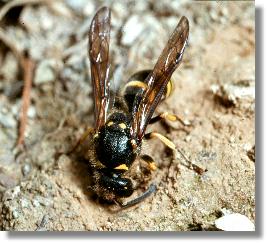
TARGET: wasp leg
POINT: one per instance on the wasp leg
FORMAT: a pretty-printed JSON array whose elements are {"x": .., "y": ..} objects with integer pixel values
[
  {"x": 150, "y": 162},
  {"x": 81, "y": 140},
  {"x": 169, "y": 117},
  {"x": 152, "y": 188},
  {"x": 172, "y": 146}
]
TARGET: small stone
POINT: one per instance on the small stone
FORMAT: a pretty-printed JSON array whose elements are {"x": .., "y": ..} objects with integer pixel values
[
  {"x": 60, "y": 8},
  {"x": 44, "y": 72},
  {"x": 26, "y": 169},
  {"x": 89, "y": 9},
  {"x": 188, "y": 138},
  {"x": 31, "y": 112},
  {"x": 77, "y": 5},
  {"x": 11, "y": 194},
  {"x": 251, "y": 153},
  {"x": 132, "y": 29},
  {"x": 15, "y": 214},
  {"x": 7, "y": 181},
  {"x": 234, "y": 222},
  {"x": 24, "y": 203},
  {"x": 7, "y": 120},
  {"x": 42, "y": 201},
  {"x": 9, "y": 68},
  {"x": 35, "y": 203},
  {"x": 232, "y": 139}
]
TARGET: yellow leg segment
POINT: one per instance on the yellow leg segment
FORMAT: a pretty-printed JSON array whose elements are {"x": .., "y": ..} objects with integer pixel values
[
  {"x": 169, "y": 117},
  {"x": 150, "y": 162},
  {"x": 172, "y": 146}
]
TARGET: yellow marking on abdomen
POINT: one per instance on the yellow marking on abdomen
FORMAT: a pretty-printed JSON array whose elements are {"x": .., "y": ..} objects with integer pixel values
[
  {"x": 136, "y": 83},
  {"x": 122, "y": 125}
]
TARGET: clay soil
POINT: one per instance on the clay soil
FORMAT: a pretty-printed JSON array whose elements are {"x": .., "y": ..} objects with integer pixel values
[{"x": 42, "y": 188}]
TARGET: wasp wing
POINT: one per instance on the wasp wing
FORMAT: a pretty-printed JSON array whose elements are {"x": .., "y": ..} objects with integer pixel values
[
  {"x": 99, "y": 37},
  {"x": 159, "y": 77}
]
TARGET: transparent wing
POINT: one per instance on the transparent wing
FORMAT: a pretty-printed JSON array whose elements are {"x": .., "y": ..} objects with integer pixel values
[
  {"x": 157, "y": 80},
  {"x": 99, "y": 37}
]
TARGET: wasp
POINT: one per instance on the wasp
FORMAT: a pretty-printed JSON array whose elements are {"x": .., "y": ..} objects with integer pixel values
[{"x": 120, "y": 125}]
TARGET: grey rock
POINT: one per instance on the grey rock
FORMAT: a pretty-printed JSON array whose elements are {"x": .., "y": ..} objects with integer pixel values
[
  {"x": 132, "y": 29},
  {"x": 44, "y": 72},
  {"x": 7, "y": 120},
  {"x": 26, "y": 169}
]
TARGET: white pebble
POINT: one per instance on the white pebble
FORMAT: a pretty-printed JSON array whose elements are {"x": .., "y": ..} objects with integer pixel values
[
  {"x": 132, "y": 29},
  {"x": 234, "y": 222}
]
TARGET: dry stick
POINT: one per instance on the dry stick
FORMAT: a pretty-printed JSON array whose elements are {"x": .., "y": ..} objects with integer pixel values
[
  {"x": 28, "y": 67},
  {"x": 26, "y": 64},
  {"x": 9, "y": 43},
  {"x": 16, "y": 3}
]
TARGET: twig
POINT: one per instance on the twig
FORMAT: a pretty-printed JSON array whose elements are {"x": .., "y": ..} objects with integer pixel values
[
  {"x": 28, "y": 68},
  {"x": 15, "y": 3},
  {"x": 9, "y": 43}
]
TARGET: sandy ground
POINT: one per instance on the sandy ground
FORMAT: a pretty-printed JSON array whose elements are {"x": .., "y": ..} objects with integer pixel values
[{"x": 41, "y": 188}]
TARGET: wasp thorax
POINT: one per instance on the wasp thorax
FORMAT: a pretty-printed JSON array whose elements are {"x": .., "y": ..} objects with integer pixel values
[{"x": 113, "y": 145}]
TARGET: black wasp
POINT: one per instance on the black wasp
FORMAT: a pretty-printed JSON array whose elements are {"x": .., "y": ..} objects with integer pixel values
[{"x": 119, "y": 131}]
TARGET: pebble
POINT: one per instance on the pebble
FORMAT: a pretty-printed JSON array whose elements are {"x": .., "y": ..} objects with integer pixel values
[
  {"x": 132, "y": 29},
  {"x": 38, "y": 200},
  {"x": 28, "y": 19},
  {"x": 35, "y": 203},
  {"x": 26, "y": 169},
  {"x": 7, "y": 120},
  {"x": 7, "y": 181},
  {"x": 44, "y": 72},
  {"x": 15, "y": 213},
  {"x": 77, "y": 5},
  {"x": 11, "y": 194},
  {"x": 89, "y": 9},
  {"x": 234, "y": 222},
  {"x": 61, "y": 9},
  {"x": 9, "y": 68},
  {"x": 31, "y": 112},
  {"x": 24, "y": 203}
]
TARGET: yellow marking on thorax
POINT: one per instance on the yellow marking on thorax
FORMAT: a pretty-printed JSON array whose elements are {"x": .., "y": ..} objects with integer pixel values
[
  {"x": 122, "y": 125},
  {"x": 110, "y": 123},
  {"x": 122, "y": 167}
]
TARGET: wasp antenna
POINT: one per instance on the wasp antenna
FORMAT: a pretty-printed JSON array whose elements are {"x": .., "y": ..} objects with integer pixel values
[{"x": 152, "y": 188}]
